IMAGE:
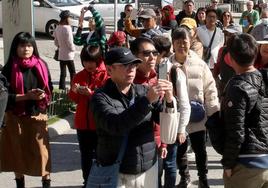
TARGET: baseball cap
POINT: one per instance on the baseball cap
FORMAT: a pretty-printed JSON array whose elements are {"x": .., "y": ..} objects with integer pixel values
[
  {"x": 65, "y": 14},
  {"x": 233, "y": 29},
  {"x": 120, "y": 55},
  {"x": 264, "y": 40},
  {"x": 147, "y": 13},
  {"x": 188, "y": 22}
]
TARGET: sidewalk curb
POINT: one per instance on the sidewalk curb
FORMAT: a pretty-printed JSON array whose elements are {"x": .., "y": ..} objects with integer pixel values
[{"x": 60, "y": 127}]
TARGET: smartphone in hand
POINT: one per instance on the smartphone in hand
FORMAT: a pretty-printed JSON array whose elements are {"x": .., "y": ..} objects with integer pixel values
[
  {"x": 162, "y": 71},
  {"x": 40, "y": 90}
]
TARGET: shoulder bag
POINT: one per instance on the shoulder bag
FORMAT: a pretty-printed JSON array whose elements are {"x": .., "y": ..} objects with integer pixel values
[
  {"x": 207, "y": 50},
  {"x": 106, "y": 176}
]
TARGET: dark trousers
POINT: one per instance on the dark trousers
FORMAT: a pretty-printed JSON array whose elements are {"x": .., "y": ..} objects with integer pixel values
[
  {"x": 198, "y": 143},
  {"x": 71, "y": 68},
  {"x": 87, "y": 144},
  {"x": 182, "y": 161}
]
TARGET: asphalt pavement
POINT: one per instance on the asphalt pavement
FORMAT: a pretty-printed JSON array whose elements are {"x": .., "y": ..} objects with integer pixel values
[{"x": 66, "y": 172}]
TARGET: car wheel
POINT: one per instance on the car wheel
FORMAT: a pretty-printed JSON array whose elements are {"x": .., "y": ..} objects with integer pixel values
[{"x": 50, "y": 27}]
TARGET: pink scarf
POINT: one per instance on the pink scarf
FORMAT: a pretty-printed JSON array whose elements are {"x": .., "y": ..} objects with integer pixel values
[{"x": 17, "y": 82}]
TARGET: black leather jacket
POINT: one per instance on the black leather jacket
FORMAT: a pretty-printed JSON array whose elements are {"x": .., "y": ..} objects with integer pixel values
[
  {"x": 114, "y": 117},
  {"x": 245, "y": 111}
]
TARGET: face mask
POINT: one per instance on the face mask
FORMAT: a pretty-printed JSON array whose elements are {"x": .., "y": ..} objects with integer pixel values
[{"x": 264, "y": 21}]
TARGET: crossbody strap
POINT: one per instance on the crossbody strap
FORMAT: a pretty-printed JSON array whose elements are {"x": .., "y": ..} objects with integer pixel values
[{"x": 211, "y": 40}]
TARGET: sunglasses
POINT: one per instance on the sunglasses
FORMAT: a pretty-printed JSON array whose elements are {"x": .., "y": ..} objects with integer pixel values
[
  {"x": 147, "y": 53},
  {"x": 227, "y": 15}
]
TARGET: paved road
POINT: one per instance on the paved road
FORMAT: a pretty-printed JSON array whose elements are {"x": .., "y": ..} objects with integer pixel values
[{"x": 66, "y": 171}]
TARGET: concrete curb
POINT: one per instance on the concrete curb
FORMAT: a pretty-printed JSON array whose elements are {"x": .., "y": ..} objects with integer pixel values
[{"x": 60, "y": 127}]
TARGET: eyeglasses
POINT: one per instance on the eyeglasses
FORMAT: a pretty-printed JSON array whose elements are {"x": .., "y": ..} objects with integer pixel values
[
  {"x": 145, "y": 19},
  {"x": 126, "y": 66},
  {"x": 147, "y": 53}
]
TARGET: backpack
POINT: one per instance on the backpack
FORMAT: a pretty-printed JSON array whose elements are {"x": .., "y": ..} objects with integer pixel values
[{"x": 3, "y": 97}]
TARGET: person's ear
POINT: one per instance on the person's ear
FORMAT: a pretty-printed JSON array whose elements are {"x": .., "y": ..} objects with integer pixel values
[{"x": 109, "y": 69}]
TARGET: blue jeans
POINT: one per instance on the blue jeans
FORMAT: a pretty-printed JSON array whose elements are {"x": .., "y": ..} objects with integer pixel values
[{"x": 170, "y": 166}]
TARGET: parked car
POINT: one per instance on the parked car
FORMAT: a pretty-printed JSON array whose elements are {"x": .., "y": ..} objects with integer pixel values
[
  {"x": 46, "y": 14},
  {"x": 106, "y": 8}
]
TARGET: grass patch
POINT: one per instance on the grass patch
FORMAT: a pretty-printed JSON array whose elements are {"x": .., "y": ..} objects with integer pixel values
[{"x": 56, "y": 118}]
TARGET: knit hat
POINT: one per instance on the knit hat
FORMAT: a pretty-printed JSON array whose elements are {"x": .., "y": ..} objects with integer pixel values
[
  {"x": 188, "y": 22},
  {"x": 117, "y": 38}
]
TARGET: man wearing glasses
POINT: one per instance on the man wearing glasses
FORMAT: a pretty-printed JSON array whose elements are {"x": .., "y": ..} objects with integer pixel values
[
  {"x": 148, "y": 19},
  {"x": 122, "y": 108}
]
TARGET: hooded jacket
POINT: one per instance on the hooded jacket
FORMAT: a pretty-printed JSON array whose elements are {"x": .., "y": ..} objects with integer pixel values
[{"x": 83, "y": 116}]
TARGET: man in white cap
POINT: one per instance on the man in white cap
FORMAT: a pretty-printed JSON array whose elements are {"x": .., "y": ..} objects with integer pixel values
[{"x": 148, "y": 20}]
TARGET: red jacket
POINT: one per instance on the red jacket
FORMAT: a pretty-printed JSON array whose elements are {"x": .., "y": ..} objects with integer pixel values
[
  {"x": 83, "y": 116},
  {"x": 140, "y": 78}
]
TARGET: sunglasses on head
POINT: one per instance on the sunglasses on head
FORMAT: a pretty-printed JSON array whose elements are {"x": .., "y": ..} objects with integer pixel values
[{"x": 147, "y": 53}]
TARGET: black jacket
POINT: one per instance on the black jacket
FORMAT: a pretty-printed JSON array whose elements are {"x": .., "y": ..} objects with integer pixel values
[
  {"x": 114, "y": 117},
  {"x": 245, "y": 111}
]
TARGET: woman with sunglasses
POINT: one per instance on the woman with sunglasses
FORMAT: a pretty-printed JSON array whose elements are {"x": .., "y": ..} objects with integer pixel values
[{"x": 226, "y": 19}]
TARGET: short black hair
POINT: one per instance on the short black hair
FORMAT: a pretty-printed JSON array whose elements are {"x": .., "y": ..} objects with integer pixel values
[
  {"x": 135, "y": 45},
  {"x": 211, "y": 10},
  {"x": 91, "y": 53},
  {"x": 127, "y": 5},
  {"x": 243, "y": 49},
  {"x": 162, "y": 44},
  {"x": 181, "y": 33}
]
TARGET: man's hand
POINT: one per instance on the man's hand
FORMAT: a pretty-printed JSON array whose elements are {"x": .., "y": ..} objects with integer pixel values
[
  {"x": 167, "y": 87},
  {"x": 154, "y": 93},
  {"x": 228, "y": 172}
]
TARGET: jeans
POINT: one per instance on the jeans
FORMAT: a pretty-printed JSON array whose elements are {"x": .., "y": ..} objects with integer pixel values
[
  {"x": 71, "y": 68},
  {"x": 87, "y": 144},
  {"x": 169, "y": 164}
]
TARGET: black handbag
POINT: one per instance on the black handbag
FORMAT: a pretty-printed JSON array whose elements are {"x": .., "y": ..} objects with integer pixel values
[{"x": 56, "y": 55}]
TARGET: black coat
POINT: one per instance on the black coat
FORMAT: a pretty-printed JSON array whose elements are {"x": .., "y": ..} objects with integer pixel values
[
  {"x": 245, "y": 111},
  {"x": 114, "y": 118}
]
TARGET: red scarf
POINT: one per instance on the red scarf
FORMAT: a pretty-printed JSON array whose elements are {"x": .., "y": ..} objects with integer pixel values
[{"x": 17, "y": 83}]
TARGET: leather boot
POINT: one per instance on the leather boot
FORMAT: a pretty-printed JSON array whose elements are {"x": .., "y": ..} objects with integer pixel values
[
  {"x": 46, "y": 183},
  {"x": 20, "y": 182}
]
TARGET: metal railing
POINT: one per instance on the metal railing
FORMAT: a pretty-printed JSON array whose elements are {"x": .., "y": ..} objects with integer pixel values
[{"x": 59, "y": 104}]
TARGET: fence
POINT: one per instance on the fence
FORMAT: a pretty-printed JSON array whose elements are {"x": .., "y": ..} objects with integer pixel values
[{"x": 60, "y": 103}]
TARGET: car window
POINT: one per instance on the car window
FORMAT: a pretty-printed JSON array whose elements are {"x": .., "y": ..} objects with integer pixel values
[{"x": 62, "y": 3}]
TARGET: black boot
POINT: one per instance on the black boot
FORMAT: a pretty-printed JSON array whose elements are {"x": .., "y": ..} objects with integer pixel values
[
  {"x": 203, "y": 183},
  {"x": 20, "y": 182},
  {"x": 46, "y": 183}
]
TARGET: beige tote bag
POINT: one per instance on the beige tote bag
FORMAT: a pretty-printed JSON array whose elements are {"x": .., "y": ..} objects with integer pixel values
[{"x": 169, "y": 122}]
